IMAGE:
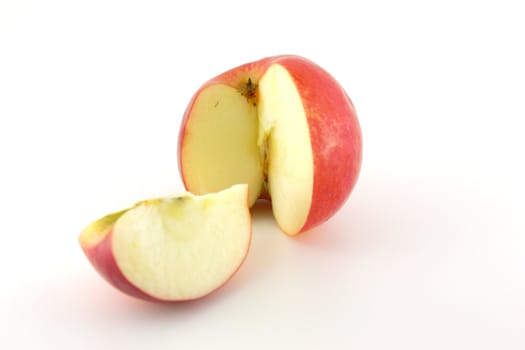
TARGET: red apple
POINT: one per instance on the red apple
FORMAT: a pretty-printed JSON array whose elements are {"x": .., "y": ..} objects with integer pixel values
[
  {"x": 282, "y": 125},
  {"x": 174, "y": 248}
]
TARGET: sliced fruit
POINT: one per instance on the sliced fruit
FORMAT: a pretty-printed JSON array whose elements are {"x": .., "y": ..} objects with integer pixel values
[
  {"x": 223, "y": 151},
  {"x": 284, "y": 126},
  {"x": 175, "y": 248}
]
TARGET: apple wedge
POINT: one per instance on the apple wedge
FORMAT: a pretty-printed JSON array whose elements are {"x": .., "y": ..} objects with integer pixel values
[
  {"x": 172, "y": 249},
  {"x": 282, "y": 125}
]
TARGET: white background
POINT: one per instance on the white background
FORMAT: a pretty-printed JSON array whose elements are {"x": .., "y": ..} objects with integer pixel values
[{"x": 428, "y": 253}]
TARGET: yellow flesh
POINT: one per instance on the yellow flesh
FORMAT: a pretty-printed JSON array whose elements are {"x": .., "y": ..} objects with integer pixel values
[
  {"x": 183, "y": 247},
  {"x": 226, "y": 140},
  {"x": 220, "y": 146},
  {"x": 97, "y": 231}
]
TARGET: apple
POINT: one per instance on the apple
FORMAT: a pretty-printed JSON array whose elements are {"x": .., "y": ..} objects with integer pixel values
[
  {"x": 282, "y": 125},
  {"x": 172, "y": 249}
]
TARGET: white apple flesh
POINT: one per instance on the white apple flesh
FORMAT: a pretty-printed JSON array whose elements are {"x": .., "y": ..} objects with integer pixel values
[{"x": 175, "y": 248}]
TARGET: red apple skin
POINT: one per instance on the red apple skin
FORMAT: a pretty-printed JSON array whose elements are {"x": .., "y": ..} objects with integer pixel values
[
  {"x": 335, "y": 134},
  {"x": 335, "y": 137},
  {"x": 101, "y": 257}
]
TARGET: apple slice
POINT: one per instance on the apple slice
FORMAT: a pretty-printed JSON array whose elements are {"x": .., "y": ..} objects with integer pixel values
[
  {"x": 284, "y": 126},
  {"x": 172, "y": 249}
]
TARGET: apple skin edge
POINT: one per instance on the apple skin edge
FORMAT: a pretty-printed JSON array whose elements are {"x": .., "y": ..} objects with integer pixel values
[
  {"x": 336, "y": 138},
  {"x": 101, "y": 257}
]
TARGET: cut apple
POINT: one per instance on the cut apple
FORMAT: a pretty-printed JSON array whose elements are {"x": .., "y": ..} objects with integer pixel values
[
  {"x": 283, "y": 126},
  {"x": 223, "y": 151},
  {"x": 174, "y": 248}
]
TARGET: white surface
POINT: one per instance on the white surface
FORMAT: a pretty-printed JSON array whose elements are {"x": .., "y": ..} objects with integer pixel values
[{"x": 429, "y": 252}]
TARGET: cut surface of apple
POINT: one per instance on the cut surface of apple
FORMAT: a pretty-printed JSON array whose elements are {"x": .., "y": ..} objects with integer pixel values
[
  {"x": 223, "y": 149},
  {"x": 284, "y": 129},
  {"x": 282, "y": 125},
  {"x": 174, "y": 248}
]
